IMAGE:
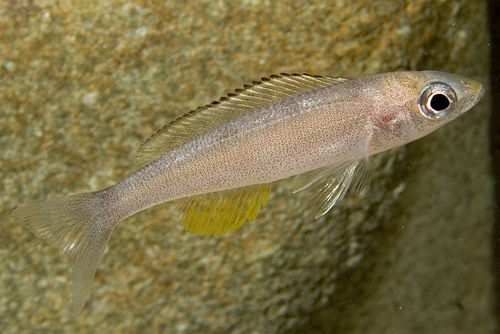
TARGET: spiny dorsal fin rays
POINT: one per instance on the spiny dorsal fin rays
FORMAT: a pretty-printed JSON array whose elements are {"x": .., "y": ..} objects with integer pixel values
[
  {"x": 330, "y": 184},
  {"x": 220, "y": 212},
  {"x": 250, "y": 97}
]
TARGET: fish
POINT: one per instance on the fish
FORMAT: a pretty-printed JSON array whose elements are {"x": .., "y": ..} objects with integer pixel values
[{"x": 222, "y": 157}]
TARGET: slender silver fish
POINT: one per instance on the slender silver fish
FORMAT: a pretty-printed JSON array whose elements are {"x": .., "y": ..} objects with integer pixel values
[{"x": 223, "y": 156}]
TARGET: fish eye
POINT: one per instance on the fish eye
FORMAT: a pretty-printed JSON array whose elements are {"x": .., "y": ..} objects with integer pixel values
[{"x": 437, "y": 100}]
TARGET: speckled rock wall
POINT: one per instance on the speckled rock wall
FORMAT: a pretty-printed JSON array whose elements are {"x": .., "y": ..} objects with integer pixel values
[{"x": 82, "y": 85}]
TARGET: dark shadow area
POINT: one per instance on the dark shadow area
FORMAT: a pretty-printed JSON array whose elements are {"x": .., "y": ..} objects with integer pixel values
[{"x": 494, "y": 25}]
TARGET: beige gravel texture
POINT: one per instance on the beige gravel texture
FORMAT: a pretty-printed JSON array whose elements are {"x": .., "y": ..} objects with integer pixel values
[{"x": 84, "y": 83}]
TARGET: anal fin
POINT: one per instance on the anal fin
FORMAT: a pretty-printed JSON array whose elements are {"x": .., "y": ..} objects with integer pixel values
[{"x": 220, "y": 212}]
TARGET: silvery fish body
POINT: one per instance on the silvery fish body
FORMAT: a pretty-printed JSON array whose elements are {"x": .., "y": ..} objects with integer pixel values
[{"x": 222, "y": 157}]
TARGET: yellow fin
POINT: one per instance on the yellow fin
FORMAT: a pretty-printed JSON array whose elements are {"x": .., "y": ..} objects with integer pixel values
[
  {"x": 221, "y": 212},
  {"x": 251, "y": 97}
]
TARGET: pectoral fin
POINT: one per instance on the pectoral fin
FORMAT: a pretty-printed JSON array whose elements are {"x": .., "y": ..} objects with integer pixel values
[
  {"x": 220, "y": 212},
  {"x": 329, "y": 185}
]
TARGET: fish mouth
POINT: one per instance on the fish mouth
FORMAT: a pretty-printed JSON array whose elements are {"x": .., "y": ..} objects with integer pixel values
[
  {"x": 473, "y": 92},
  {"x": 477, "y": 91}
]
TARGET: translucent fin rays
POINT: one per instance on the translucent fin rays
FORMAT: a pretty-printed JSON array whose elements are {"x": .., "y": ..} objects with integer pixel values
[
  {"x": 328, "y": 185},
  {"x": 250, "y": 97}
]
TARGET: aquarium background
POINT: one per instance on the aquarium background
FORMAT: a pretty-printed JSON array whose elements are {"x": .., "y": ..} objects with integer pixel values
[{"x": 84, "y": 83}]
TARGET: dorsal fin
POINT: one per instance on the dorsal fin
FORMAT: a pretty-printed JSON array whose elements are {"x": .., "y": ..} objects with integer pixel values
[
  {"x": 221, "y": 212},
  {"x": 250, "y": 97}
]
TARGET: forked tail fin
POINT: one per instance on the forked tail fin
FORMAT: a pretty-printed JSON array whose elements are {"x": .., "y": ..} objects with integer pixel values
[{"x": 78, "y": 226}]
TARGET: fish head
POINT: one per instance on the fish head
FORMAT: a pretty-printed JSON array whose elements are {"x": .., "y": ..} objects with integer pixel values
[
  {"x": 439, "y": 98},
  {"x": 410, "y": 105}
]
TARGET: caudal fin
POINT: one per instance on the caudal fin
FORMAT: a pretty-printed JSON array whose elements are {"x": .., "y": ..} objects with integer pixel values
[{"x": 77, "y": 226}]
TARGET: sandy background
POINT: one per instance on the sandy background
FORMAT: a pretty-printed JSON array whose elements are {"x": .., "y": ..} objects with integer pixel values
[{"x": 84, "y": 83}]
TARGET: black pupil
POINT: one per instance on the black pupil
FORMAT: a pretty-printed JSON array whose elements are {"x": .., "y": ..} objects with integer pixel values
[{"x": 439, "y": 102}]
